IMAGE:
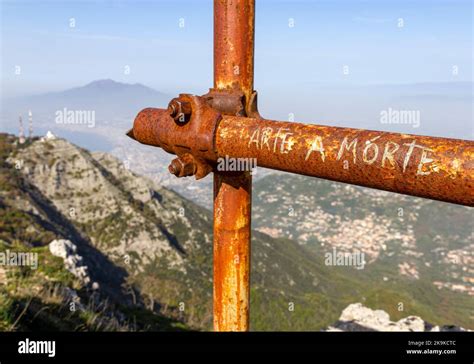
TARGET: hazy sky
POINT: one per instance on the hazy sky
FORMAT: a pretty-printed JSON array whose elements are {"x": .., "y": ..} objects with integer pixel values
[{"x": 168, "y": 44}]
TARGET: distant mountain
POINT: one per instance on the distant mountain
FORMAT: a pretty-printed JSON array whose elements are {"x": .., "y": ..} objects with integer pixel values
[
  {"x": 109, "y": 108},
  {"x": 110, "y": 100},
  {"x": 101, "y": 93}
]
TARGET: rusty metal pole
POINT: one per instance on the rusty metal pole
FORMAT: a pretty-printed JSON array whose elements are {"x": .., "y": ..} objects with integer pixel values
[{"x": 233, "y": 72}]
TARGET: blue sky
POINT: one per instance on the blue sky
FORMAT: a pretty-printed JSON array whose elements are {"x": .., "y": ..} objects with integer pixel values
[{"x": 146, "y": 36}]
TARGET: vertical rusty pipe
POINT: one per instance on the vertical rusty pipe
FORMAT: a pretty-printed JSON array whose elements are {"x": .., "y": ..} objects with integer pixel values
[
  {"x": 233, "y": 71},
  {"x": 234, "y": 24}
]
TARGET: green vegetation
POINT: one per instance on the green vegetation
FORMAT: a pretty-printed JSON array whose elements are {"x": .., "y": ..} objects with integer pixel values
[
  {"x": 43, "y": 299},
  {"x": 434, "y": 225},
  {"x": 292, "y": 288}
]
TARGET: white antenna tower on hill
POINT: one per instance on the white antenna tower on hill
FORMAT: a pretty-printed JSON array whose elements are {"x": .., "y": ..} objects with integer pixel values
[
  {"x": 21, "y": 134},
  {"x": 30, "y": 125}
]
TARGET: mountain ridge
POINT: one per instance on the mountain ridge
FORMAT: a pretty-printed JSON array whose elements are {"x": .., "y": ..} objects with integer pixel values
[{"x": 164, "y": 244}]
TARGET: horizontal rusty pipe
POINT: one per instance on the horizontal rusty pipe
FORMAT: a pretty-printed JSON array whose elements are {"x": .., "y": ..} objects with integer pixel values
[
  {"x": 435, "y": 168},
  {"x": 430, "y": 167}
]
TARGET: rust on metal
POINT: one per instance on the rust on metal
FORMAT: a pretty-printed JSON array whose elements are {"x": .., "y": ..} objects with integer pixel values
[
  {"x": 179, "y": 110},
  {"x": 184, "y": 166},
  {"x": 234, "y": 24},
  {"x": 195, "y": 137},
  {"x": 227, "y": 102},
  {"x": 232, "y": 210},
  {"x": 430, "y": 167},
  {"x": 435, "y": 168}
]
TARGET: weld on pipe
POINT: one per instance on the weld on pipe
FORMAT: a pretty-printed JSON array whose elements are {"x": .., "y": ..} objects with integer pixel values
[{"x": 234, "y": 23}]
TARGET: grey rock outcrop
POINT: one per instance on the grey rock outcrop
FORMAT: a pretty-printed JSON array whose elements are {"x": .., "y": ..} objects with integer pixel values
[
  {"x": 357, "y": 317},
  {"x": 67, "y": 250}
]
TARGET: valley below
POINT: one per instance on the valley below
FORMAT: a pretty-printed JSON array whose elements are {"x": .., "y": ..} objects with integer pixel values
[{"x": 143, "y": 238}]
